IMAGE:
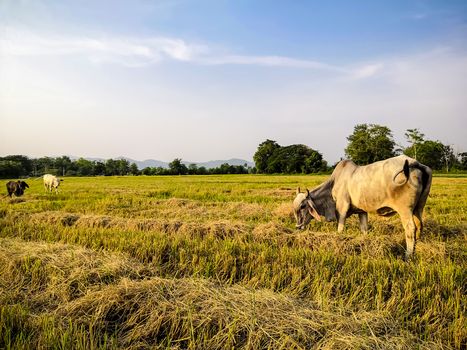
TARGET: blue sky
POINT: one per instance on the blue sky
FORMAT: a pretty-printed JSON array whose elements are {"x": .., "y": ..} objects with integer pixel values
[{"x": 202, "y": 80}]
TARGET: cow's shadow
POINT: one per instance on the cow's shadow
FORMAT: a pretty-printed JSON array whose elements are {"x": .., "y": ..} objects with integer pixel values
[
  {"x": 398, "y": 250},
  {"x": 435, "y": 229},
  {"x": 16, "y": 200}
]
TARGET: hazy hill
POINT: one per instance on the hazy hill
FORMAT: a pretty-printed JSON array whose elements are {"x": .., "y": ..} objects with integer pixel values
[
  {"x": 217, "y": 163},
  {"x": 210, "y": 164},
  {"x": 158, "y": 163}
]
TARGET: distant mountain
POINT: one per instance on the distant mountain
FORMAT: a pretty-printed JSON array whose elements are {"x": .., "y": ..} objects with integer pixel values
[
  {"x": 141, "y": 164},
  {"x": 158, "y": 163},
  {"x": 218, "y": 163}
]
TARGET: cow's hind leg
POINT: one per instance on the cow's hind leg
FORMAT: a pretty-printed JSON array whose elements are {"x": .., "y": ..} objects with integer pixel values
[
  {"x": 417, "y": 218},
  {"x": 363, "y": 217},
  {"x": 410, "y": 228}
]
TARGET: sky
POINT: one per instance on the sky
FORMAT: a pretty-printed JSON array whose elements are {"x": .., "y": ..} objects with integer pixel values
[{"x": 204, "y": 80}]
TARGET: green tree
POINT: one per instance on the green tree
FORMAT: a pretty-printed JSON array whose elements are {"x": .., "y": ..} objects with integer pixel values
[
  {"x": 148, "y": 171},
  {"x": 202, "y": 170},
  {"x": 84, "y": 167},
  {"x": 434, "y": 154},
  {"x": 10, "y": 169},
  {"x": 15, "y": 166},
  {"x": 134, "y": 169},
  {"x": 123, "y": 167},
  {"x": 448, "y": 157},
  {"x": 431, "y": 154},
  {"x": 62, "y": 164},
  {"x": 295, "y": 159},
  {"x": 462, "y": 159},
  {"x": 99, "y": 168},
  {"x": 415, "y": 138},
  {"x": 192, "y": 169},
  {"x": 111, "y": 167},
  {"x": 45, "y": 165},
  {"x": 314, "y": 163},
  {"x": 26, "y": 164},
  {"x": 177, "y": 167},
  {"x": 370, "y": 143},
  {"x": 264, "y": 152}
]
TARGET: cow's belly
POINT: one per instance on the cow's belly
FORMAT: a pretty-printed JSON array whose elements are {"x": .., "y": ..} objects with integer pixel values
[
  {"x": 368, "y": 204},
  {"x": 386, "y": 211},
  {"x": 372, "y": 206}
]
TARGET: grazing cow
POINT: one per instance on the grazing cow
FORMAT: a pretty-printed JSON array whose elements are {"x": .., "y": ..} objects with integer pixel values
[
  {"x": 16, "y": 187},
  {"x": 395, "y": 185},
  {"x": 51, "y": 182}
]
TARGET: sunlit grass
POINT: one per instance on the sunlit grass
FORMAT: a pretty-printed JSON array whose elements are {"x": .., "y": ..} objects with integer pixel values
[{"x": 215, "y": 262}]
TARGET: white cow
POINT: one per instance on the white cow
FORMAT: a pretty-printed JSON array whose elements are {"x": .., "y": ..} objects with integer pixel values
[
  {"x": 51, "y": 182},
  {"x": 395, "y": 185}
]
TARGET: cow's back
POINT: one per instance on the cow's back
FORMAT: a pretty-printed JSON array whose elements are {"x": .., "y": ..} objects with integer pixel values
[
  {"x": 51, "y": 181},
  {"x": 376, "y": 185},
  {"x": 340, "y": 178},
  {"x": 48, "y": 178}
]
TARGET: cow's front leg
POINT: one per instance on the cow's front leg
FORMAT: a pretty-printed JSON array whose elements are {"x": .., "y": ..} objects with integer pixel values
[
  {"x": 363, "y": 217},
  {"x": 342, "y": 209}
]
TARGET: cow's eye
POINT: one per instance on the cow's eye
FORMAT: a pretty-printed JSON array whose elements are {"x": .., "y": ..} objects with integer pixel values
[{"x": 303, "y": 205}]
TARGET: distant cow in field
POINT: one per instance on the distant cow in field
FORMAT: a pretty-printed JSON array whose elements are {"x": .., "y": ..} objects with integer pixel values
[
  {"x": 51, "y": 182},
  {"x": 395, "y": 185},
  {"x": 16, "y": 187}
]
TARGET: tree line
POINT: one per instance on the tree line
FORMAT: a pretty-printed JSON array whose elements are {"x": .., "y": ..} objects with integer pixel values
[
  {"x": 16, "y": 166},
  {"x": 367, "y": 144},
  {"x": 176, "y": 167}
]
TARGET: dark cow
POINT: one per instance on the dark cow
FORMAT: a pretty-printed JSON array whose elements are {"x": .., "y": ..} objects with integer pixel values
[{"x": 16, "y": 187}]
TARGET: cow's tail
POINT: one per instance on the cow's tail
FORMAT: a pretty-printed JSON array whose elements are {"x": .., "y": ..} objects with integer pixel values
[
  {"x": 406, "y": 170},
  {"x": 426, "y": 177}
]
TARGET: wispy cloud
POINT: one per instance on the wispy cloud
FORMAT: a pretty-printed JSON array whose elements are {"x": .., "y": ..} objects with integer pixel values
[
  {"x": 272, "y": 61},
  {"x": 134, "y": 51},
  {"x": 124, "y": 50},
  {"x": 145, "y": 51},
  {"x": 367, "y": 71}
]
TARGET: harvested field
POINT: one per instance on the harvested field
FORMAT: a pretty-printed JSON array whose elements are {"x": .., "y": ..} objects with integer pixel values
[{"x": 215, "y": 262}]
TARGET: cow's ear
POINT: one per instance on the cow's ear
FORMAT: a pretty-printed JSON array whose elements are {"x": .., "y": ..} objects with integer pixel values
[
  {"x": 312, "y": 210},
  {"x": 298, "y": 190}
]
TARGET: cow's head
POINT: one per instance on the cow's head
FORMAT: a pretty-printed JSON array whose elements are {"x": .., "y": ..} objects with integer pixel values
[
  {"x": 23, "y": 185},
  {"x": 304, "y": 209},
  {"x": 20, "y": 187}
]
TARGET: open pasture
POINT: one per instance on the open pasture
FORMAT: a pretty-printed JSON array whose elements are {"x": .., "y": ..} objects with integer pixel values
[{"x": 215, "y": 262}]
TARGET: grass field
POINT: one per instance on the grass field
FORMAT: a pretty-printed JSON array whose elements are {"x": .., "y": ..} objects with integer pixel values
[{"x": 214, "y": 262}]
